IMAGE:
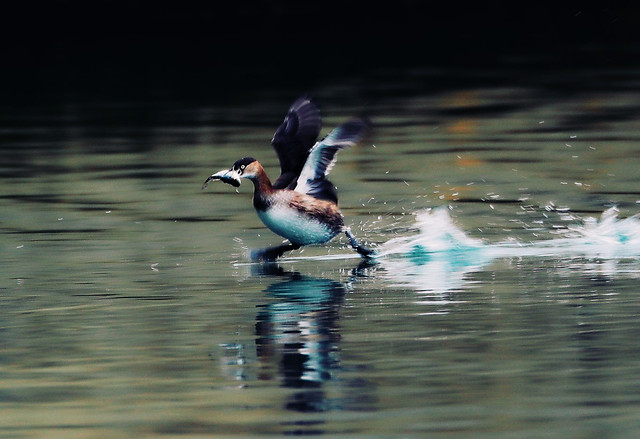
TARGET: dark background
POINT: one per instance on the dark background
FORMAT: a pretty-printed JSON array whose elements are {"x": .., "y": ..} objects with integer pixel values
[{"x": 139, "y": 49}]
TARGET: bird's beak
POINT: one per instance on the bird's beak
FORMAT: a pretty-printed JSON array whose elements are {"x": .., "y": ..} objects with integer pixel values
[{"x": 228, "y": 176}]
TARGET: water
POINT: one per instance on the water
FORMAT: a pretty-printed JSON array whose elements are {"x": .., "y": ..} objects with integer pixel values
[{"x": 504, "y": 304}]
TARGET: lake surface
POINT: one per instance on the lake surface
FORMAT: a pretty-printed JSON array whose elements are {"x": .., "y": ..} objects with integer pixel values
[{"x": 508, "y": 307}]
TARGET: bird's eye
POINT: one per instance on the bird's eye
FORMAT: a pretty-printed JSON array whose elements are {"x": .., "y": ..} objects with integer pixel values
[{"x": 242, "y": 166}]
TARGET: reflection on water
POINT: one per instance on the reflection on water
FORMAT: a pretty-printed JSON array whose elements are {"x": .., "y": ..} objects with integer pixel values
[
  {"x": 298, "y": 344},
  {"x": 300, "y": 333}
]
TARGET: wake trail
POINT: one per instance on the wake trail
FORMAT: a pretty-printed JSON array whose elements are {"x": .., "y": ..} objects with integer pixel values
[{"x": 608, "y": 237}]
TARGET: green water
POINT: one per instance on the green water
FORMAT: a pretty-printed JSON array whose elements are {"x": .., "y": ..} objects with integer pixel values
[{"x": 129, "y": 308}]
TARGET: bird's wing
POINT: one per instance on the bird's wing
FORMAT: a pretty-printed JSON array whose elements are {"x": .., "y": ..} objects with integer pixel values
[
  {"x": 294, "y": 138},
  {"x": 322, "y": 157}
]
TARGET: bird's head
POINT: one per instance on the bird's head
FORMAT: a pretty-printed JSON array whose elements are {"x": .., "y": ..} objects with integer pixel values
[{"x": 246, "y": 167}]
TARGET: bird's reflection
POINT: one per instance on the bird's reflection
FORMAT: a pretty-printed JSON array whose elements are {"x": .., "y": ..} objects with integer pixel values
[
  {"x": 298, "y": 337},
  {"x": 298, "y": 345}
]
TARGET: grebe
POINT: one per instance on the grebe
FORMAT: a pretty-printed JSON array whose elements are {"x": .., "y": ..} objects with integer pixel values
[{"x": 301, "y": 205}]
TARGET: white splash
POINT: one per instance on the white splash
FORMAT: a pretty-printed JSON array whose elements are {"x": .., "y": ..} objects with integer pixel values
[
  {"x": 433, "y": 261},
  {"x": 437, "y": 233},
  {"x": 440, "y": 256},
  {"x": 608, "y": 238}
]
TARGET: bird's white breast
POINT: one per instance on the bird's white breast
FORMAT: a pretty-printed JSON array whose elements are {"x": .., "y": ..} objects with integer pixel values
[{"x": 297, "y": 228}]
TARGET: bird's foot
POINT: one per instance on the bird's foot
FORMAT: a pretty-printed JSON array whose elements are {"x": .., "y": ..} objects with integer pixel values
[
  {"x": 363, "y": 251},
  {"x": 270, "y": 254}
]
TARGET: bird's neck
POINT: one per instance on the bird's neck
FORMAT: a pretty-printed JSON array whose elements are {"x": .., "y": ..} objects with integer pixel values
[{"x": 262, "y": 189}]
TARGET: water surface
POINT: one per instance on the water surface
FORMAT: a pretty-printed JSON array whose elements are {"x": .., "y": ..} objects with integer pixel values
[{"x": 130, "y": 308}]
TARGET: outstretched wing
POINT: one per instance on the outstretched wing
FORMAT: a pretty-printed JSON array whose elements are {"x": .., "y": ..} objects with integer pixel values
[
  {"x": 294, "y": 138},
  {"x": 322, "y": 157}
]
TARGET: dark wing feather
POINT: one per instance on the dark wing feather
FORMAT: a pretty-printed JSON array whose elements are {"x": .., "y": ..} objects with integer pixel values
[
  {"x": 294, "y": 138},
  {"x": 322, "y": 157}
]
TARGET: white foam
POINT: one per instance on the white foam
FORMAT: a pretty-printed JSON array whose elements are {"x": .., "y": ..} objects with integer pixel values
[
  {"x": 436, "y": 234},
  {"x": 608, "y": 237},
  {"x": 441, "y": 256}
]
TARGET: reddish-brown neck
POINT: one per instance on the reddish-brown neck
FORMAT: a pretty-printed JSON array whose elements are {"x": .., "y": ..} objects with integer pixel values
[
  {"x": 262, "y": 188},
  {"x": 260, "y": 180}
]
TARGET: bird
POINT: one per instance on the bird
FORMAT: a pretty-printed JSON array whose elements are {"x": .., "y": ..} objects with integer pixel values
[{"x": 301, "y": 205}]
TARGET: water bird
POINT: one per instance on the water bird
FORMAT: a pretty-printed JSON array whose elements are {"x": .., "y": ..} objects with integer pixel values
[{"x": 302, "y": 204}]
